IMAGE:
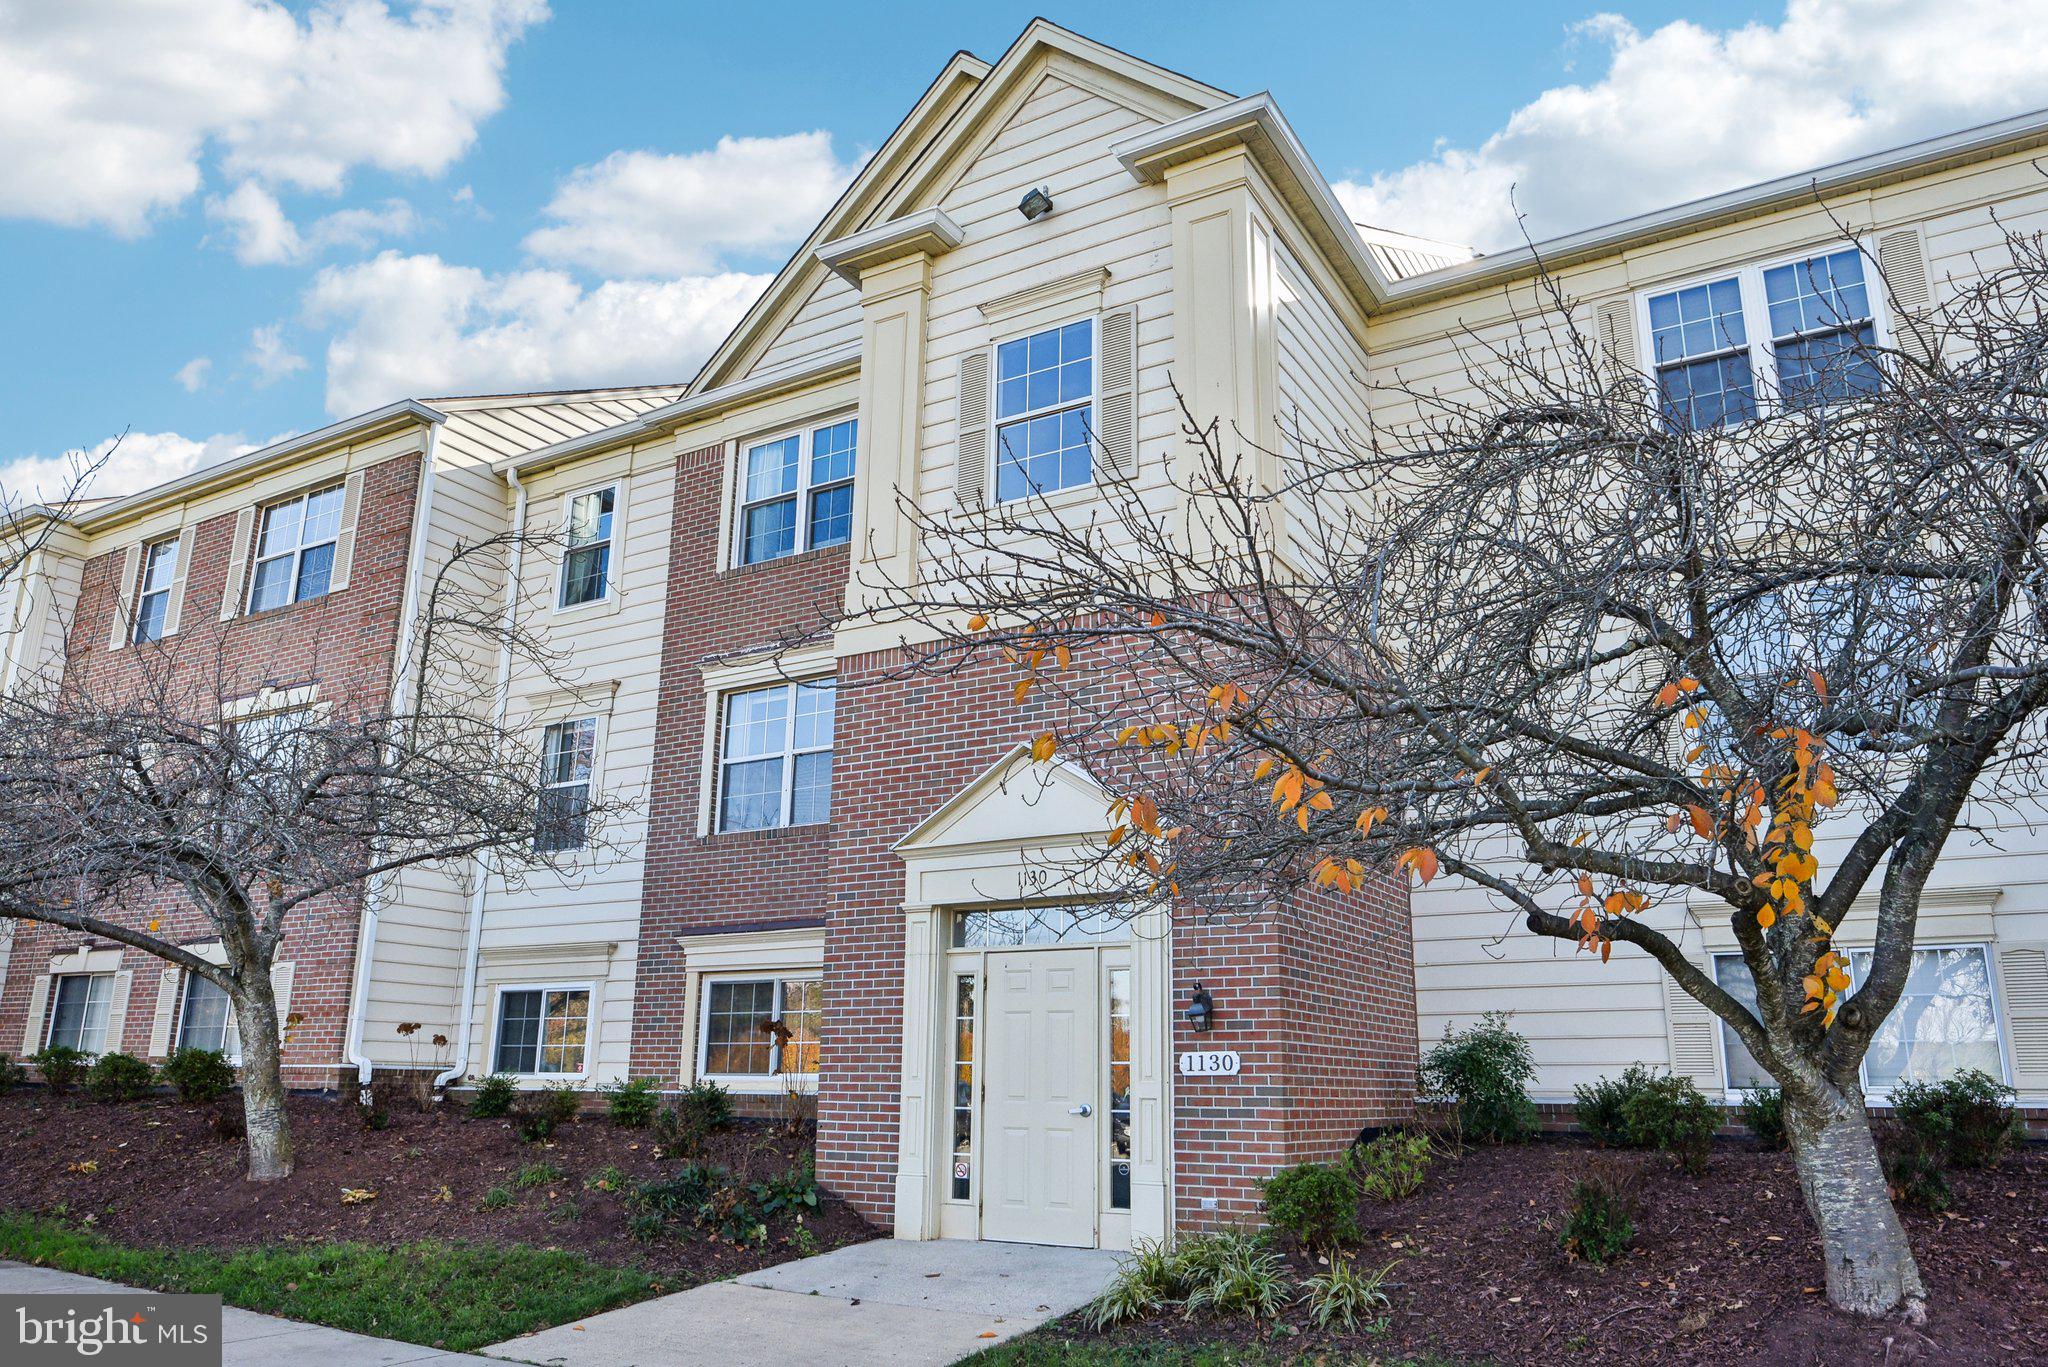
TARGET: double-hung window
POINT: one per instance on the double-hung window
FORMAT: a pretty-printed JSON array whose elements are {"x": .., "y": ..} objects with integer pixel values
[
  {"x": 1045, "y": 402},
  {"x": 543, "y": 1030},
  {"x": 295, "y": 550},
  {"x": 78, "y": 1012},
  {"x": 153, "y": 594},
  {"x": 1790, "y": 335},
  {"x": 587, "y": 558},
  {"x": 1946, "y": 1020},
  {"x": 775, "y": 757},
  {"x": 568, "y": 754},
  {"x": 797, "y": 492},
  {"x": 207, "y": 1019},
  {"x": 760, "y": 1027}
]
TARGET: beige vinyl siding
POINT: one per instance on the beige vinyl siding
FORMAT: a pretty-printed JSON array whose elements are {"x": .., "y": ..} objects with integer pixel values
[
  {"x": 827, "y": 320},
  {"x": 1057, "y": 137}
]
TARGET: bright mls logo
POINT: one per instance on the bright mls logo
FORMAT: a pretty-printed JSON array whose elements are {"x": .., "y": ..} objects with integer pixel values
[{"x": 114, "y": 1330}]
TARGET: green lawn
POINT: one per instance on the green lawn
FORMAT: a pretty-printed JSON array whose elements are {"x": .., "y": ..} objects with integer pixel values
[
  {"x": 458, "y": 1296},
  {"x": 1045, "y": 1349}
]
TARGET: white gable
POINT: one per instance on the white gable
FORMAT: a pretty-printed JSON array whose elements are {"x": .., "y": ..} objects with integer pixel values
[{"x": 1016, "y": 802}]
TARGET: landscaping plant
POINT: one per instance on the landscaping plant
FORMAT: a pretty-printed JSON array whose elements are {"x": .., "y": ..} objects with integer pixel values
[
  {"x": 1669, "y": 1114},
  {"x": 199, "y": 1075},
  {"x": 1391, "y": 1167},
  {"x": 631, "y": 1103},
  {"x": 1485, "y": 1071},
  {"x": 1147, "y": 1281},
  {"x": 1763, "y": 1111},
  {"x": 12, "y": 1074},
  {"x": 1599, "y": 1104},
  {"x": 1967, "y": 1120},
  {"x": 1339, "y": 1299},
  {"x": 545, "y": 1110},
  {"x": 119, "y": 1077},
  {"x": 700, "y": 1110},
  {"x": 1232, "y": 1273},
  {"x": 62, "y": 1067},
  {"x": 494, "y": 1097},
  {"x": 1602, "y": 1220},
  {"x": 1315, "y": 1202}
]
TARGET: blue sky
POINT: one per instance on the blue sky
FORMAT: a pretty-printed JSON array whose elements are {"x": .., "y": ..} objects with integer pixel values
[{"x": 222, "y": 221}]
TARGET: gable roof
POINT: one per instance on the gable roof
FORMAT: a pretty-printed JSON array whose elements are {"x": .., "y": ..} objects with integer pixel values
[
  {"x": 945, "y": 119},
  {"x": 1016, "y": 801}
]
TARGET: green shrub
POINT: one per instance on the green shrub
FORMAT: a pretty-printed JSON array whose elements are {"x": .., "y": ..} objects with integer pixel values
[
  {"x": 1338, "y": 1299},
  {"x": 794, "y": 1192},
  {"x": 62, "y": 1067},
  {"x": 1485, "y": 1070},
  {"x": 1231, "y": 1273},
  {"x": 119, "y": 1077},
  {"x": 700, "y": 1110},
  {"x": 1315, "y": 1202},
  {"x": 12, "y": 1074},
  {"x": 1600, "y": 1105},
  {"x": 1763, "y": 1111},
  {"x": 631, "y": 1102},
  {"x": 1911, "y": 1170},
  {"x": 1669, "y": 1114},
  {"x": 494, "y": 1097},
  {"x": 199, "y": 1075},
  {"x": 1964, "y": 1121},
  {"x": 1391, "y": 1168},
  {"x": 1602, "y": 1220},
  {"x": 544, "y": 1111}
]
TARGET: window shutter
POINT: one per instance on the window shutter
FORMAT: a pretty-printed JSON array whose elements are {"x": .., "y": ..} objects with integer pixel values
[
  {"x": 167, "y": 984},
  {"x": 970, "y": 462},
  {"x": 1689, "y": 1026},
  {"x": 124, "y": 596},
  {"x": 117, "y": 1011},
  {"x": 281, "y": 990},
  {"x": 2023, "y": 990},
  {"x": 1119, "y": 383},
  {"x": 38, "y": 1002},
  {"x": 345, "y": 540},
  {"x": 1904, "y": 268},
  {"x": 174, "y": 610},
  {"x": 1614, "y": 324},
  {"x": 238, "y": 564}
]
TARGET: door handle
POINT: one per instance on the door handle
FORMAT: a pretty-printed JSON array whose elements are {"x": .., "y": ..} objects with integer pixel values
[{"x": 1083, "y": 1109}]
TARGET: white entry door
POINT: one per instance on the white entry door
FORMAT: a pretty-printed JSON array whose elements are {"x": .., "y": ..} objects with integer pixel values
[{"x": 1039, "y": 1097}]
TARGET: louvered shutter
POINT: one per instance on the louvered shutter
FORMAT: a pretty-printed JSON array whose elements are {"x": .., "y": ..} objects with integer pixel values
[
  {"x": 117, "y": 1012},
  {"x": 1903, "y": 265},
  {"x": 238, "y": 564},
  {"x": 281, "y": 991},
  {"x": 167, "y": 984},
  {"x": 971, "y": 462},
  {"x": 38, "y": 1003},
  {"x": 174, "y": 610},
  {"x": 345, "y": 540},
  {"x": 2023, "y": 989},
  {"x": 1118, "y": 428},
  {"x": 1614, "y": 324},
  {"x": 124, "y": 596},
  {"x": 1689, "y": 1027}
]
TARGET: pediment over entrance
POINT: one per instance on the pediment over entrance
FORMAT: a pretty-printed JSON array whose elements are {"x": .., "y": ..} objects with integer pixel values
[{"x": 1015, "y": 803}]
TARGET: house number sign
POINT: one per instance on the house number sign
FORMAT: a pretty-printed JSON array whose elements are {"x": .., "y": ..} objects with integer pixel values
[{"x": 1210, "y": 1063}]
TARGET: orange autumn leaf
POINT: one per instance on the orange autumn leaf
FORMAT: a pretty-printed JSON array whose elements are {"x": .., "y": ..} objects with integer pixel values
[
  {"x": 977, "y": 623},
  {"x": 1023, "y": 689},
  {"x": 1042, "y": 748},
  {"x": 1421, "y": 859},
  {"x": 1667, "y": 695}
]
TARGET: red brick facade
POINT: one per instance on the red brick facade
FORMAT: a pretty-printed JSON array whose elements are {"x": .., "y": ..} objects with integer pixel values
[{"x": 344, "y": 643}]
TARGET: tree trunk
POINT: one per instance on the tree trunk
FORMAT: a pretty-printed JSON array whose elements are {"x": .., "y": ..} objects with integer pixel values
[
  {"x": 270, "y": 1139},
  {"x": 1870, "y": 1266}
]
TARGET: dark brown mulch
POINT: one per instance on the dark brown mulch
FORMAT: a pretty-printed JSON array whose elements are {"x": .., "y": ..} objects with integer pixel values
[
  {"x": 1726, "y": 1269},
  {"x": 164, "y": 1179}
]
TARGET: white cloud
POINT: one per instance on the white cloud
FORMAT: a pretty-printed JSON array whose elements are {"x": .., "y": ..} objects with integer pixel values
[
  {"x": 261, "y": 234},
  {"x": 125, "y": 464},
  {"x": 270, "y": 356},
  {"x": 654, "y": 214},
  {"x": 107, "y": 108},
  {"x": 192, "y": 374},
  {"x": 417, "y": 325},
  {"x": 1685, "y": 111}
]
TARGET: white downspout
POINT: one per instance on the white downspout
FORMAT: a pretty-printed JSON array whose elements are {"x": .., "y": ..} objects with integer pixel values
[
  {"x": 464, "y": 1027},
  {"x": 408, "y": 623}
]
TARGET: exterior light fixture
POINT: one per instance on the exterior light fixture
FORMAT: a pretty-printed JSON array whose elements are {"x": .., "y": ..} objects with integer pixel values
[
  {"x": 1036, "y": 204},
  {"x": 1201, "y": 1011}
]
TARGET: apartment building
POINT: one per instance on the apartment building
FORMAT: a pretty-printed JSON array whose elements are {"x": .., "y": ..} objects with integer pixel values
[{"x": 832, "y": 885}]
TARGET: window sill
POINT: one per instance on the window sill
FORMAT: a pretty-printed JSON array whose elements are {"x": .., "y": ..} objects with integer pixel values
[
  {"x": 793, "y": 558},
  {"x": 596, "y": 607},
  {"x": 768, "y": 832},
  {"x": 284, "y": 609}
]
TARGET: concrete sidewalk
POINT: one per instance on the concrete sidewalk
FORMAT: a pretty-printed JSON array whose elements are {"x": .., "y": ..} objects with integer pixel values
[
  {"x": 883, "y": 1303},
  {"x": 250, "y": 1339}
]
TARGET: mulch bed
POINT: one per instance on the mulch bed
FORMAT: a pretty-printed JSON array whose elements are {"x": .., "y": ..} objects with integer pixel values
[
  {"x": 1726, "y": 1269},
  {"x": 163, "y": 1179}
]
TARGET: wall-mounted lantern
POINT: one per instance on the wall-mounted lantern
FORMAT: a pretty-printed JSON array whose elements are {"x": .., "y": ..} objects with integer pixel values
[
  {"x": 1036, "y": 204},
  {"x": 1201, "y": 1010}
]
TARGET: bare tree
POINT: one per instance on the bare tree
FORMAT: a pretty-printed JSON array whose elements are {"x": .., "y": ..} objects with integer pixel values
[
  {"x": 1542, "y": 633},
  {"x": 121, "y": 790}
]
